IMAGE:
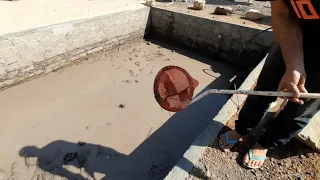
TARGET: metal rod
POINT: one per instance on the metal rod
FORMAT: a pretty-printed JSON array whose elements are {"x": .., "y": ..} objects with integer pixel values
[{"x": 256, "y": 93}]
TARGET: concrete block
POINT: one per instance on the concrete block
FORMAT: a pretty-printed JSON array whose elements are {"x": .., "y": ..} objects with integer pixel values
[{"x": 310, "y": 135}]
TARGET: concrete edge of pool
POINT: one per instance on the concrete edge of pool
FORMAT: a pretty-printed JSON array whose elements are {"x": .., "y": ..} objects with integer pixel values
[{"x": 194, "y": 153}]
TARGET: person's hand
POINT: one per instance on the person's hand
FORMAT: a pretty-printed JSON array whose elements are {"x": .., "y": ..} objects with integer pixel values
[{"x": 294, "y": 81}]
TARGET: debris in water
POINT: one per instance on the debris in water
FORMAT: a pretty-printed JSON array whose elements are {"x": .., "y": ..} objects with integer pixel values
[
  {"x": 126, "y": 81},
  {"x": 69, "y": 157},
  {"x": 122, "y": 106},
  {"x": 159, "y": 53},
  {"x": 137, "y": 63},
  {"x": 132, "y": 73},
  {"x": 80, "y": 143}
]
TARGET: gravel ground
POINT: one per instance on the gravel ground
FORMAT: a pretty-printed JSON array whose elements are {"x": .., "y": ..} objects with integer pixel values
[{"x": 295, "y": 161}]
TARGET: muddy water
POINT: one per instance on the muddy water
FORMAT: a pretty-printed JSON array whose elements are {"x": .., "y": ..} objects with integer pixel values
[{"x": 101, "y": 115}]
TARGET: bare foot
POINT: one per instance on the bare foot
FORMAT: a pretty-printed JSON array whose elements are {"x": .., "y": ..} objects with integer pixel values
[
  {"x": 258, "y": 157},
  {"x": 233, "y": 135}
]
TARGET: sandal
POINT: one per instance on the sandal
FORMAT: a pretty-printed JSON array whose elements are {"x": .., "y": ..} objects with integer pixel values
[
  {"x": 257, "y": 158},
  {"x": 228, "y": 142}
]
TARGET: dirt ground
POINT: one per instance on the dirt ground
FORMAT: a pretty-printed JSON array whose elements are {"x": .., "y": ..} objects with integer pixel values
[
  {"x": 100, "y": 119},
  {"x": 295, "y": 161}
]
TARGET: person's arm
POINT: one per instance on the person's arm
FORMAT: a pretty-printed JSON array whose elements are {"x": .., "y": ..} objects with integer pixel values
[{"x": 287, "y": 32}]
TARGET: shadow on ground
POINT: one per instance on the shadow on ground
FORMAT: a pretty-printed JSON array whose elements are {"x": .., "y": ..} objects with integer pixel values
[{"x": 164, "y": 147}]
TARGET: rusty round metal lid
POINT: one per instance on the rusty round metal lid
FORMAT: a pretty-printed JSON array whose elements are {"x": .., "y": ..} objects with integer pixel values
[{"x": 174, "y": 88}]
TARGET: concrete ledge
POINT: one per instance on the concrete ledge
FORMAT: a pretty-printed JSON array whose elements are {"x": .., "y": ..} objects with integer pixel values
[
  {"x": 30, "y": 53},
  {"x": 222, "y": 39},
  {"x": 310, "y": 135},
  {"x": 193, "y": 154}
]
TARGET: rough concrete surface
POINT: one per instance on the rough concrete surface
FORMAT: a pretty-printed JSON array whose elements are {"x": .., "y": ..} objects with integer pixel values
[
  {"x": 16, "y": 16},
  {"x": 30, "y": 53},
  {"x": 222, "y": 38},
  {"x": 101, "y": 115}
]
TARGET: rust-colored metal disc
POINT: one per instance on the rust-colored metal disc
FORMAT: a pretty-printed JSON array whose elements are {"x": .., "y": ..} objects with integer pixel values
[{"x": 174, "y": 88}]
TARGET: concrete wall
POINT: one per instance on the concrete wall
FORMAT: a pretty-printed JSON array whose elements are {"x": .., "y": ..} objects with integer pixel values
[
  {"x": 220, "y": 38},
  {"x": 27, "y": 54}
]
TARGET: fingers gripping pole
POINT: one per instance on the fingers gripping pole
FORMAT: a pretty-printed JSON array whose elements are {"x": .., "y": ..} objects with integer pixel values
[{"x": 255, "y": 93}]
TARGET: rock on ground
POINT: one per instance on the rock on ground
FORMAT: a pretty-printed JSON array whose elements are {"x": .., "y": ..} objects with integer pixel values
[
  {"x": 253, "y": 15},
  {"x": 223, "y": 10},
  {"x": 198, "y": 4}
]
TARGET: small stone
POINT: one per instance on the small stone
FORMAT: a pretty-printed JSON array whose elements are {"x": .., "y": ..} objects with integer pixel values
[
  {"x": 302, "y": 156},
  {"x": 148, "y": 43},
  {"x": 254, "y": 173},
  {"x": 253, "y": 15},
  {"x": 199, "y": 4},
  {"x": 130, "y": 59},
  {"x": 223, "y": 10},
  {"x": 88, "y": 127},
  {"x": 108, "y": 124},
  {"x": 136, "y": 81},
  {"x": 299, "y": 177}
]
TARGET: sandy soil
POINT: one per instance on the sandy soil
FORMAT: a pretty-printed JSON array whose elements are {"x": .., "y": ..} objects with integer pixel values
[
  {"x": 99, "y": 118},
  {"x": 22, "y": 15}
]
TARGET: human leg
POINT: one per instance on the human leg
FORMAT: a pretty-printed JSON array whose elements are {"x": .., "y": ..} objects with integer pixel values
[
  {"x": 255, "y": 106},
  {"x": 292, "y": 119}
]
